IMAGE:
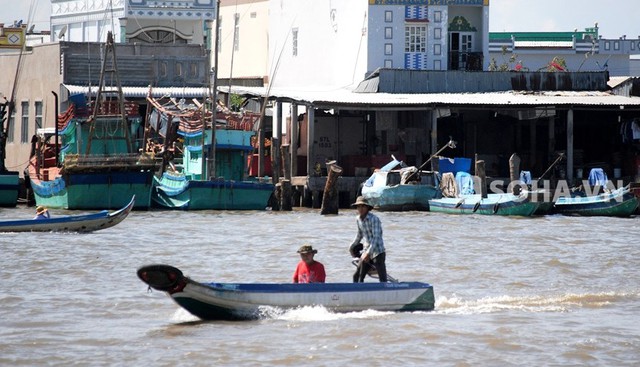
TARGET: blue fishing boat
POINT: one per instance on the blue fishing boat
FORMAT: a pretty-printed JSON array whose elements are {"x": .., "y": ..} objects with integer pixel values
[
  {"x": 406, "y": 188},
  {"x": 188, "y": 180},
  {"x": 393, "y": 189},
  {"x": 241, "y": 301},
  {"x": 90, "y": 159},
  {"x": 9, "y": 188}
]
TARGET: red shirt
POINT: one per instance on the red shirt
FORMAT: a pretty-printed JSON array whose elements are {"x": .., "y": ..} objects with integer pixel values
[{"x": 313, "y": 273}]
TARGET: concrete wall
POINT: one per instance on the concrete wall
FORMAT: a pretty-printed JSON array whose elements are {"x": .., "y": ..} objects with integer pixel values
[
  {"x": 251, "y": 60},
  {"x": 40, "y": 74},
  {"x": 332, "y": 47}
]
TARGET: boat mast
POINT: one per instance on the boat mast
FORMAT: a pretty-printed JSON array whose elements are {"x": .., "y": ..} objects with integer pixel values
[
  {"x": 113, "y": 70},
  {"x": 213, "y": 84}
]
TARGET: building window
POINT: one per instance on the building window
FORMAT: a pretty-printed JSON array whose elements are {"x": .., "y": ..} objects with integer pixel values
[
  {"x": 24, "y": 131},
  {"x": 388, "y": 63},
  {"x": 633, "y": 46},
  {"x": 12, "y": 124},
  {"x": 437, "y": 65},
  {"x": 616, "y": 45},
  {"x": 437, "y": 33},
  {"x": 607, "y": 46},
  {"x": 437, "y": 49},
  {"x": 253, "y": 14},
  {"x": 236, "y": 33},
  {"x": 388, "y": 16},
  {"x": 294, "y": 33},
  {"x": 415, "y": 39},
  {"x": 163, "y": 69},
  {"x": 388, "y": 49},
  {"x": 388, "y": 33},
  {"x": 437, "y": 16},
  {"x": 178, "y": 69},
  {"x": 38, "y": 114}
]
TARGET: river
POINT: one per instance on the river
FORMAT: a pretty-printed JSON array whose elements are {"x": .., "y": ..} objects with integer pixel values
[{"x": 547, "y": 290}]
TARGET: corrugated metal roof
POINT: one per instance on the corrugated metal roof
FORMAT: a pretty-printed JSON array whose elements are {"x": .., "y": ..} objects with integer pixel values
[
  {"x": 141, "y": 92},
  {"x": 535, "y": 44},
  {"x": 615, "y": 81},
  {"x": 337, "y": 97}
]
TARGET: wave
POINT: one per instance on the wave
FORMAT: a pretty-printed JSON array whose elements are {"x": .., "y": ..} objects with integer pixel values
[{"x": 536, "y": 303}]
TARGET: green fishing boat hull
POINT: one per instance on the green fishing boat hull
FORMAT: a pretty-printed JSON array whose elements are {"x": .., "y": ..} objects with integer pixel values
[
  {"x": 495, "y": 204},
  {"x": 95, "y": 191},
  {"x": 400, "y": 197},
  {"x": 211, "y": 195},
  {"x": 620, "y": 203},
  {"x": 9, "y": 187}
]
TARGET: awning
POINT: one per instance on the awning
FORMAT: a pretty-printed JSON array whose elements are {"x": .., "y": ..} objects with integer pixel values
[
  {"x": 345, "y": 98},
  {"x": 141, "y": 92}
]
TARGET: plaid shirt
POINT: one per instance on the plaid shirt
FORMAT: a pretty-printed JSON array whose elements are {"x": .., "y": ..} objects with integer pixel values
[{"x": 371, "y": 229}]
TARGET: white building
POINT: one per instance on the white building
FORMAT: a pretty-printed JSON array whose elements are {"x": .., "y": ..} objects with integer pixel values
[
  {"x": 579, "y": 50},
  {"x": 332, "y": 44},
  {"x": 141, "y": 21},
  {"x": 243, "y": 43}
]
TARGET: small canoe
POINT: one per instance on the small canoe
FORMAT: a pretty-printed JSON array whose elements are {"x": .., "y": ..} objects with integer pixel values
[
  {"x": 69, "y": 223},
  {"x": 235, "y": 301},
  {"x": 493, "y": 204},
  {"x": 617, "y": 203}
]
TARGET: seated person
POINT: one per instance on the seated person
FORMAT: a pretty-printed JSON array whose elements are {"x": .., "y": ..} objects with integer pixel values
[
  {"x": 308, "y": 270},
  {"x": 42, "y": 213}
]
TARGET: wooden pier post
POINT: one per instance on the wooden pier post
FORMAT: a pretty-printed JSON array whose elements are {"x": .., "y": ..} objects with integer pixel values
[
  {"x": 514, "y": 174},
  {"x": 330, "y": 199},
  {"x": 285, "y": 183},
  {"x": 482, "y": 175}
]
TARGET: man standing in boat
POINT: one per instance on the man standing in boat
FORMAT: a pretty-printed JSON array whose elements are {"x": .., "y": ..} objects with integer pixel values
[
  {"x": 373, "y": 255},
  {"x": 308, "y": 270}
]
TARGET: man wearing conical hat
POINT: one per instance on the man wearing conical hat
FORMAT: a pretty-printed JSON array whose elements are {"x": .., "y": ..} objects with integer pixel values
[
  {"x": 373, "y": 254},
  {"x": 42, "y": 212},
  {"x": 308, "y": 270}
]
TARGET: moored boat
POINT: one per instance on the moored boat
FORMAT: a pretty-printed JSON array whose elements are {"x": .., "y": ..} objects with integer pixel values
[
  {"x": 9, "y": 187},
  {"x": 198, "y": 175},
  {"x": 239, "y": 301},
  {"x": 620, "y": 202},
  {"x": 493, "y": 204},
  {"x": 96, "y": 164},
  {"x": 391, "y": 189},
  {"x": 70, "y": 223}
]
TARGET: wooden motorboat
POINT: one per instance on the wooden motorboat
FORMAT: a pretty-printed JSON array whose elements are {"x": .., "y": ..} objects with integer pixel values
[
  {"x": 238, "y": 301},
  {"x": 617, "y": 203}
]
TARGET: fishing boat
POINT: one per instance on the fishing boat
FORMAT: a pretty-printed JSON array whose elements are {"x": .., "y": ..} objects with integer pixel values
[
  {"x": 391, "y": 189},
  {"x": 620, "y": 202},
  {"x": 190, "y": 178},
  {"x": 9, "y": 188},
  {"x": 406, "y": 188},
  {"x": 90, "y": 160},
  {"x": 9, "y": 180},
  {"x": 70, "y": 223},
  {"x": 239, "y": 301},
  {"x": 493, "y": 204}
]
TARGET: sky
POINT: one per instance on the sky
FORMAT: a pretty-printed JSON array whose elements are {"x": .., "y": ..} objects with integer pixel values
[{"x": 615, "y": 17}]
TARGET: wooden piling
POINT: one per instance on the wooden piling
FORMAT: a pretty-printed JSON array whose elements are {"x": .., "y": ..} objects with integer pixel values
[
  {"x": 482, "y": 175},
  {"x": 514, "y": 174},
  {"x": 286, "y": 198},
  {"x": 330, "y": 199}
]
